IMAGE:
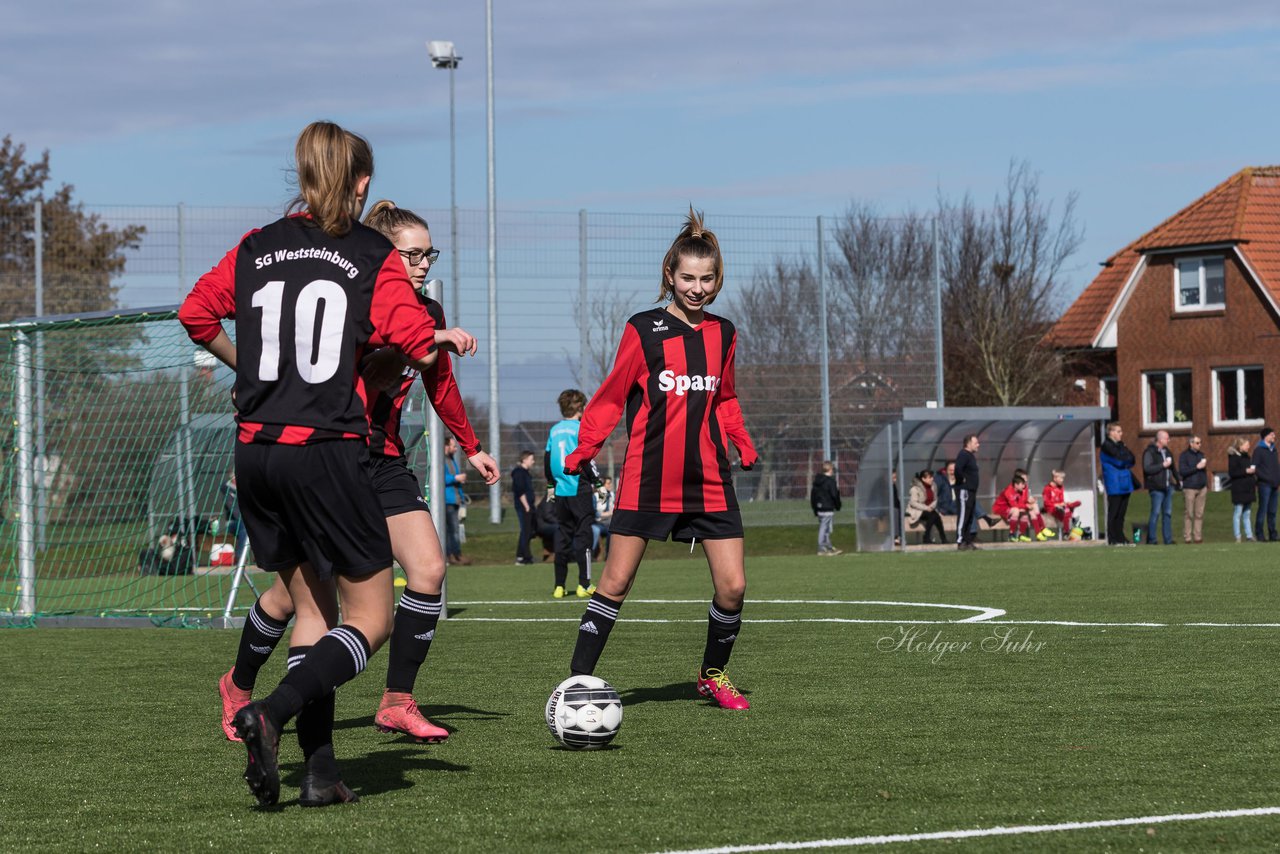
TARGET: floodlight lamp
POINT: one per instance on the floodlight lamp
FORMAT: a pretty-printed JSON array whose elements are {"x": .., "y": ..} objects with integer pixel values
[{"x": 443, "y": 54}]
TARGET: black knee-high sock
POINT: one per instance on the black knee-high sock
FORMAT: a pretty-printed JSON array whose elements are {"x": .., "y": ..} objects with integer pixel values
[
  {"x": 315, "y": 726},
  {"x": 411, "y": 635},
  {"x": 562, "y": 573},
  {"x": 338, "y": 657},
  {"x": 593, "y": 633},
  {"x": 722, "y": 630},
  {"x": 258, "y": 639}
]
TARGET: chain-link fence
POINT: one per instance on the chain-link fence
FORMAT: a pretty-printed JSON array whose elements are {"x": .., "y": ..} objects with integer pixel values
[{"x": 565, "y": 283}]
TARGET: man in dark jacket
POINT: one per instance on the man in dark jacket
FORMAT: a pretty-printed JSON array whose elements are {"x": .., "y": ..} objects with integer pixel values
[
  {"x": 824, "y": 498},
  {"x": 1193, "y": 469},
  {"x": 1117, "y": 462},
  {"x": 1161, "y": 477},
  {"x": 1267, "y": 470},
  {"x": 523, "y": 498},
  {"x": 966, "y": 492}
]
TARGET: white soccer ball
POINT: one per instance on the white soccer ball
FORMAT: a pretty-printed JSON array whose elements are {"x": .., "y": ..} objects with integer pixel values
[{"x": 584, "y": 713}]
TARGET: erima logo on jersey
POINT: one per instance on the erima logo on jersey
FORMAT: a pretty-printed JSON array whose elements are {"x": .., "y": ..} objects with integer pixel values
[
  {"x": 425, "y": 636},
  {"x": 660, "y": 325},
  {"x": 681, "y": 383},
  {"x": 589, "y": 626}
]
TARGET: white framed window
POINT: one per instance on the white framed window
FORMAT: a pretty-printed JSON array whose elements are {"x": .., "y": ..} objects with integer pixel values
[
  {"x": 1166, "y": 399},
  {"x": 1200, "y": 284},
  {"x": 1109, "y": 395},
  {"x": 1238, "y": 399}
]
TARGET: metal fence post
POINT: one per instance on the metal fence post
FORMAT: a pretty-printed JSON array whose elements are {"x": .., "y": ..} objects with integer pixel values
[
  {"x": 825, "y": 357},
  {"x": 939, "y": 390},
  {"x": 26, "y": 477},
  {"x": 186, "y": 468},
  {"x": 435, "y": 461},
  {"x": 41, "y": 459}
]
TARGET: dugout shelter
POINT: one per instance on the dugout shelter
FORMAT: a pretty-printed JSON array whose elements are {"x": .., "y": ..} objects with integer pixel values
[{"x": 1038, "y": 439}]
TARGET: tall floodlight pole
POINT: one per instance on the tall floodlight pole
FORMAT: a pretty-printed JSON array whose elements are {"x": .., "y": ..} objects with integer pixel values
[
  {"x": 495, "y": 491},
  {"x": 444, "y": 55}
]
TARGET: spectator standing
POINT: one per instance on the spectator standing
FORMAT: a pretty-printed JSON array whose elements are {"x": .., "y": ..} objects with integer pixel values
[
  {"x": 1117, "y": 478},
  {"x": 1267, "y": 471},
  {"x": 922, "y": 507},
  {"x": 967, "y": 481},
  {"x": 1244, "y": 484},
  {"x": 1161, "y": 477},
  {"x": 1193, "y": 469},
  {"x": 824, "y": 498},
  {"x": 454, "y": 499},
  {"x": 523, "y": 498}
]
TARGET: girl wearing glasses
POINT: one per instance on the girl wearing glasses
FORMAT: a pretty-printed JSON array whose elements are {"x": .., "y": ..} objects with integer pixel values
[{"x": 413, "y": 536}]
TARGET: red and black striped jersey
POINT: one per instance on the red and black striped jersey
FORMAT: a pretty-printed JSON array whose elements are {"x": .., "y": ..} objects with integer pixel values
[
  {"x": 676, "y": 384},
  {"x": 385, "y": 407},
  {"x": 306, "y": 305}
]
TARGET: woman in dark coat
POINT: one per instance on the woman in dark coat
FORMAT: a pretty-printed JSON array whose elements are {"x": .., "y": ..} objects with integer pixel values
[{"x": 1244, "y": 486}]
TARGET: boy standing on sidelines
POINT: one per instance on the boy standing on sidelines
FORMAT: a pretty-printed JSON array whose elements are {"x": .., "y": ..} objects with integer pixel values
[
  {"x": 825, "y": 500},
  {"x": 575, "y": 496}
]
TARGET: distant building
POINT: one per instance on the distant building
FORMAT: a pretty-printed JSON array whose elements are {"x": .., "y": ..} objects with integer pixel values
[{"x": 1181, "y": 329}]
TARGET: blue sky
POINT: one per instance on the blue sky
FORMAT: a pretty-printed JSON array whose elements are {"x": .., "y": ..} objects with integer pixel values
[{"x": 740, "y": 107}]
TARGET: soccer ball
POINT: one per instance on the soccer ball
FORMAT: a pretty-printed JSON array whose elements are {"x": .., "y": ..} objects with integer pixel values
[{"x": 584, "y": 713}]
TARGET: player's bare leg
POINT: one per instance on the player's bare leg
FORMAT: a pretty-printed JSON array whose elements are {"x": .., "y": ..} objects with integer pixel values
[
  {"x": 726, "y": 560},
  {"x": 417, "y": 548},
  {"x": 625, "y": 554}
]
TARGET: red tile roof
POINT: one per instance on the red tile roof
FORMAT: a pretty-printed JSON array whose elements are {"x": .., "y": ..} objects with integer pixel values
[{"x": 1244, "y": 209}]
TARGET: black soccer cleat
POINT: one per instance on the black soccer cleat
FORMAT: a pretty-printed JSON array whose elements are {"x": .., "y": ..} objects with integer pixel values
[
  {"x": 322, "y": 793},
  {"x": 262, "y": 741}
]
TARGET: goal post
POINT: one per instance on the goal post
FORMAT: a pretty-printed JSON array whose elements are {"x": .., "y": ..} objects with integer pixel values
[{"x": 112, "y": 492}]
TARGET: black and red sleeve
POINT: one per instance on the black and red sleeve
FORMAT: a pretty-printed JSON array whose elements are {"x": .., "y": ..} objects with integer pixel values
[
  {"x": 610, "y": 400},
  {"x": 212, "y": 300},
  {"x": 730, "y": 411},
  {"x": 398, "y": 318}
]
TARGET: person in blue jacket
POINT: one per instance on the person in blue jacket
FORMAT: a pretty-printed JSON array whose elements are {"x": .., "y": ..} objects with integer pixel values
[{"x": 1117, "y": 478}]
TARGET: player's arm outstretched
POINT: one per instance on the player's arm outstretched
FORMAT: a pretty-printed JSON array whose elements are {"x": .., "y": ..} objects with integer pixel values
[
  {"x": 608, "y": 403},
  {"x": 730, "y": 411},
  {"x": 446, "y": 399}
]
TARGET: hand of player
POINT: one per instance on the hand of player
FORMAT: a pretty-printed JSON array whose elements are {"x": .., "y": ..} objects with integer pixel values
[
  {"x": 486, "y": 465},
  {"x": 457, "y": 340},
  {"x": 1202, "y": 464},
  {"x": 383, "y": 369},
  {"x": 573, "y": 463}
]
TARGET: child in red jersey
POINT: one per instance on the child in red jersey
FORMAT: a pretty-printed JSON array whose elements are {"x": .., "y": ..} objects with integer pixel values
[
  {"x": 413, "y": 536},
  {"x": 309, "y": 293},
  {"x": 1057, "y": 505},
  {"x": 1019, "y": 510},
  {"x": 674, "y": 376}
]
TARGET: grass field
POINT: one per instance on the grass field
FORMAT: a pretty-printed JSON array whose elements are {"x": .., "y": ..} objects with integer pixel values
[{"x": 857, "y": 728}]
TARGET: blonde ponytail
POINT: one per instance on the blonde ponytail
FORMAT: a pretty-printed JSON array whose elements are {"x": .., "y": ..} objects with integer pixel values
[{"x": 330, "y": 162}]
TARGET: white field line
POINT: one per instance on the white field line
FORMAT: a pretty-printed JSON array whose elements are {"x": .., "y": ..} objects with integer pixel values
[
  {"x": 983, "y": 612},
  {"x": 985, "y": 615},
  {"x": 1017, "y": 830}
]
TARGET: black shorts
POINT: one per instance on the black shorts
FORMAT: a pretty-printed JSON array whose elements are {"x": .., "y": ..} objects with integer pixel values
[
  {"x": 681, "y": 527},
  {"x": 313, "y": 504},
  {"x": 397, "y": 487}
]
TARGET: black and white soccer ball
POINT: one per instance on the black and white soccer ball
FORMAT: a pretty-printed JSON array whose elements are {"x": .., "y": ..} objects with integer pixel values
[{"x": 584, "y": 713}]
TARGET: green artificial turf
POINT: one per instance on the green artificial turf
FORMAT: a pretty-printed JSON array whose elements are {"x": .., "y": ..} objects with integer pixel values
[{"x": 111, "y": 737}]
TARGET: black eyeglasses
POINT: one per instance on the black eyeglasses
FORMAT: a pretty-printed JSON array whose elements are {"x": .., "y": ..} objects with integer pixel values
[{"x": 416, "y": 256}]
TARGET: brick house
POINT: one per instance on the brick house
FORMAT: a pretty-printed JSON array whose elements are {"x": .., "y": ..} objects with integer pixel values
[{"x": 1181, "y": 329}]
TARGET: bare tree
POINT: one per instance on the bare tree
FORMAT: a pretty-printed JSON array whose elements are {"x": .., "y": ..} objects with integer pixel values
[
  {"x": 599, "y": 330},
  {"x": 1001, "y": 270}
]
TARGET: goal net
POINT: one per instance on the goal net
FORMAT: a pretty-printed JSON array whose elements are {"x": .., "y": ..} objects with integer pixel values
[{"x": 115, "y": 491}]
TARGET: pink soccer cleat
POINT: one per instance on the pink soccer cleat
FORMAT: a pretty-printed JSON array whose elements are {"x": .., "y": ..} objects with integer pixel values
[
  {"x": 399, "y": 713},
  {"x": 717, "y": 686},
  {"x": 234, "y": 698}
]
